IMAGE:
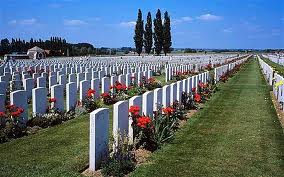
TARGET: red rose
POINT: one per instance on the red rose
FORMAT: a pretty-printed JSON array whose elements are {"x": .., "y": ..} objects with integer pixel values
[
  {"x": 2, "y": 114},
  {"x": 52, "y": 100},
  {"x": 90, "y": 92},
  {"x": 105, "y": 94},
  {"x": 143, "y": 121},
  {"x": 134, "y": 110},
  {"x": 168, "y": 110},
  {"x": 197, "y": 97}
]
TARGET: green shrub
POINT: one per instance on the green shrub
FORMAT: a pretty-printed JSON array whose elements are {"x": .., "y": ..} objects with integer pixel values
[{"x": 122, "y": 161}]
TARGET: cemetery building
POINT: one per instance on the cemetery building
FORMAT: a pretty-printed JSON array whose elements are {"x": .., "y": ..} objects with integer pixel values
[{"x": 36, "y": 53}]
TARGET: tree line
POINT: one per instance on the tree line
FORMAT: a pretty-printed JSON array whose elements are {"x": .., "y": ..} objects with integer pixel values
[
  {"x": 57, "y": 46},
  {"x": 144, "y": 36}
]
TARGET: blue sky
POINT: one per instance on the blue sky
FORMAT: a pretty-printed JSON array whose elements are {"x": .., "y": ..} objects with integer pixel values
[{"x": 109, "y": 23}]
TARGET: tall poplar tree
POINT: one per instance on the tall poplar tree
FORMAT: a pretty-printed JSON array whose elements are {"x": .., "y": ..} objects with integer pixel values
[
  {"x": 138, "y": 37},
  {"x": 167, "y": 38},
  {"x": 148, "y": 34},
  {"x": 158, "y": 33}
]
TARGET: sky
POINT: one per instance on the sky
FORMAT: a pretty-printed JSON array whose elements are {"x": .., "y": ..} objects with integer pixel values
[{"x": 256, "y": 24}]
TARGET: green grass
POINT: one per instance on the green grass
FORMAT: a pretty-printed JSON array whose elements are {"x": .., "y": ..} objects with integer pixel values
[
  {"x": 58, "y": 151},
  {"x": 236, "y": 134}
]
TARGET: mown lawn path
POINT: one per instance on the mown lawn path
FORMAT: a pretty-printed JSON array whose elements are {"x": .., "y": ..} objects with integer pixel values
[{"x": 236, "y": 134}]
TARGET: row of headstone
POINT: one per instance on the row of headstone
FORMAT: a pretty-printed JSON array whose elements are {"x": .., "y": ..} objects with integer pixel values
[
  {"x": 39, "y": 94},
  {"x": 148, "y": 102},
  {"x": 221, "y": 70},
  {"x": 274, "y": 79},
  {"x": 267, "y": 70}
]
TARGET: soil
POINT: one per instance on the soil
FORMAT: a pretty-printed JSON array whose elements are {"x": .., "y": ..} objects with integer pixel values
[
  {"x": 141, "y": 155},
  {"x": 92, "y": 174},
  {"x": 277, "y": 107}
]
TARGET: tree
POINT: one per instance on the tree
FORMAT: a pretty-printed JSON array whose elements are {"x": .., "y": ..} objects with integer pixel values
[
  {"x": 167, "y": 40},
  {"x": 138, "y": 37},
  {"x": 83, "y": 51},
  {"x": 148, "y": 34},
  {"x": 158, "y": 33}
]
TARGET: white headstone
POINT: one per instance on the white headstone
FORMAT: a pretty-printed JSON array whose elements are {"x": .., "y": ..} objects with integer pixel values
[
  {"x": 99, "y": 132},
  {"x": 39, "y": 100}
]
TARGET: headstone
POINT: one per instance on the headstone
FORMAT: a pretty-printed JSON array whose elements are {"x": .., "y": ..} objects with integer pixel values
[
  {"x": 39, "y": 100},
  {"x": 84, "y": 87},
  {"x": 99, "y": 132},
  {"x": 147, "y": 103},
  {"x": 41, "y": 82},
  {"x": 19, "y": 99},
  {"x": 2, "y": 102},
  {"x": 71, "y": 96},
  {"x": 52, "y": 81},
  {"x": 95, "y": 85},
  {"x": 173, "y": 97},
  {"x": 28, "y": 86},
  {"x": 105, "y": 85},
  {"x": 157, "y": 98},
  {"x": 120, "y": 120},
  {"x": 166, "y": 96},
  {"x": 57, "y": 92}
]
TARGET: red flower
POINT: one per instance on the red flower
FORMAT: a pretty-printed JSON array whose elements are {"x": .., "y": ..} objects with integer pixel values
[
  {"x": 91, "y": 92},
  {"x": 197, "y": 97},
  {"x": 143, "y": 121},
  {"x": 11, "y": 106},
  {"x": 124, "y": 87},
  {"x": 168, "y": 110},
  {"x": 52, "y": 100},
  {"x": 193, "y": 89},
  {"x": 105, "y": 94},
  {"x": 16, "y": 113},
  {"x": 151, "y": 79},
  {"x": 200, "y": 84},
  {"x": 2, "y": 114},
  {"x": 20, "y": 110},
  {"x": 119, "y": 87},
  {"x": 134, "y": 110}
]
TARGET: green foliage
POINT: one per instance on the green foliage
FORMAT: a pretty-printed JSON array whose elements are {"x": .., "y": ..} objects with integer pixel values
[
  {"x": 53, "y": 117},
  {"x": 158, "y": 33},
  {"x": 148, "y": 34},
  {"x": 122, "y": 161},
  {"x": 167, "y": 38},
  {"x": 91, "y": 104},
  {"x": 138, "y": 37}
]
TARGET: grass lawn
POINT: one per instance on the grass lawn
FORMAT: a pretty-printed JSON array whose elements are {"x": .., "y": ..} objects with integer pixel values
[
  {"x": 57, "y": 151},
  {"x": 236, "y": 134}
]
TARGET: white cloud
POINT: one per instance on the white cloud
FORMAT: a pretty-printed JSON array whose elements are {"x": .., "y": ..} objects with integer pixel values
[
  {"x": 74, "y": 22},
  {"x": 182, "y": 19},
  {"x": 186, "y": 19},
  {"x": 209, "y": 17},
  {"x": 128, "y": 24},
  {"x": 31, "y": 21},
  {"x": 228, "y": 30}
]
